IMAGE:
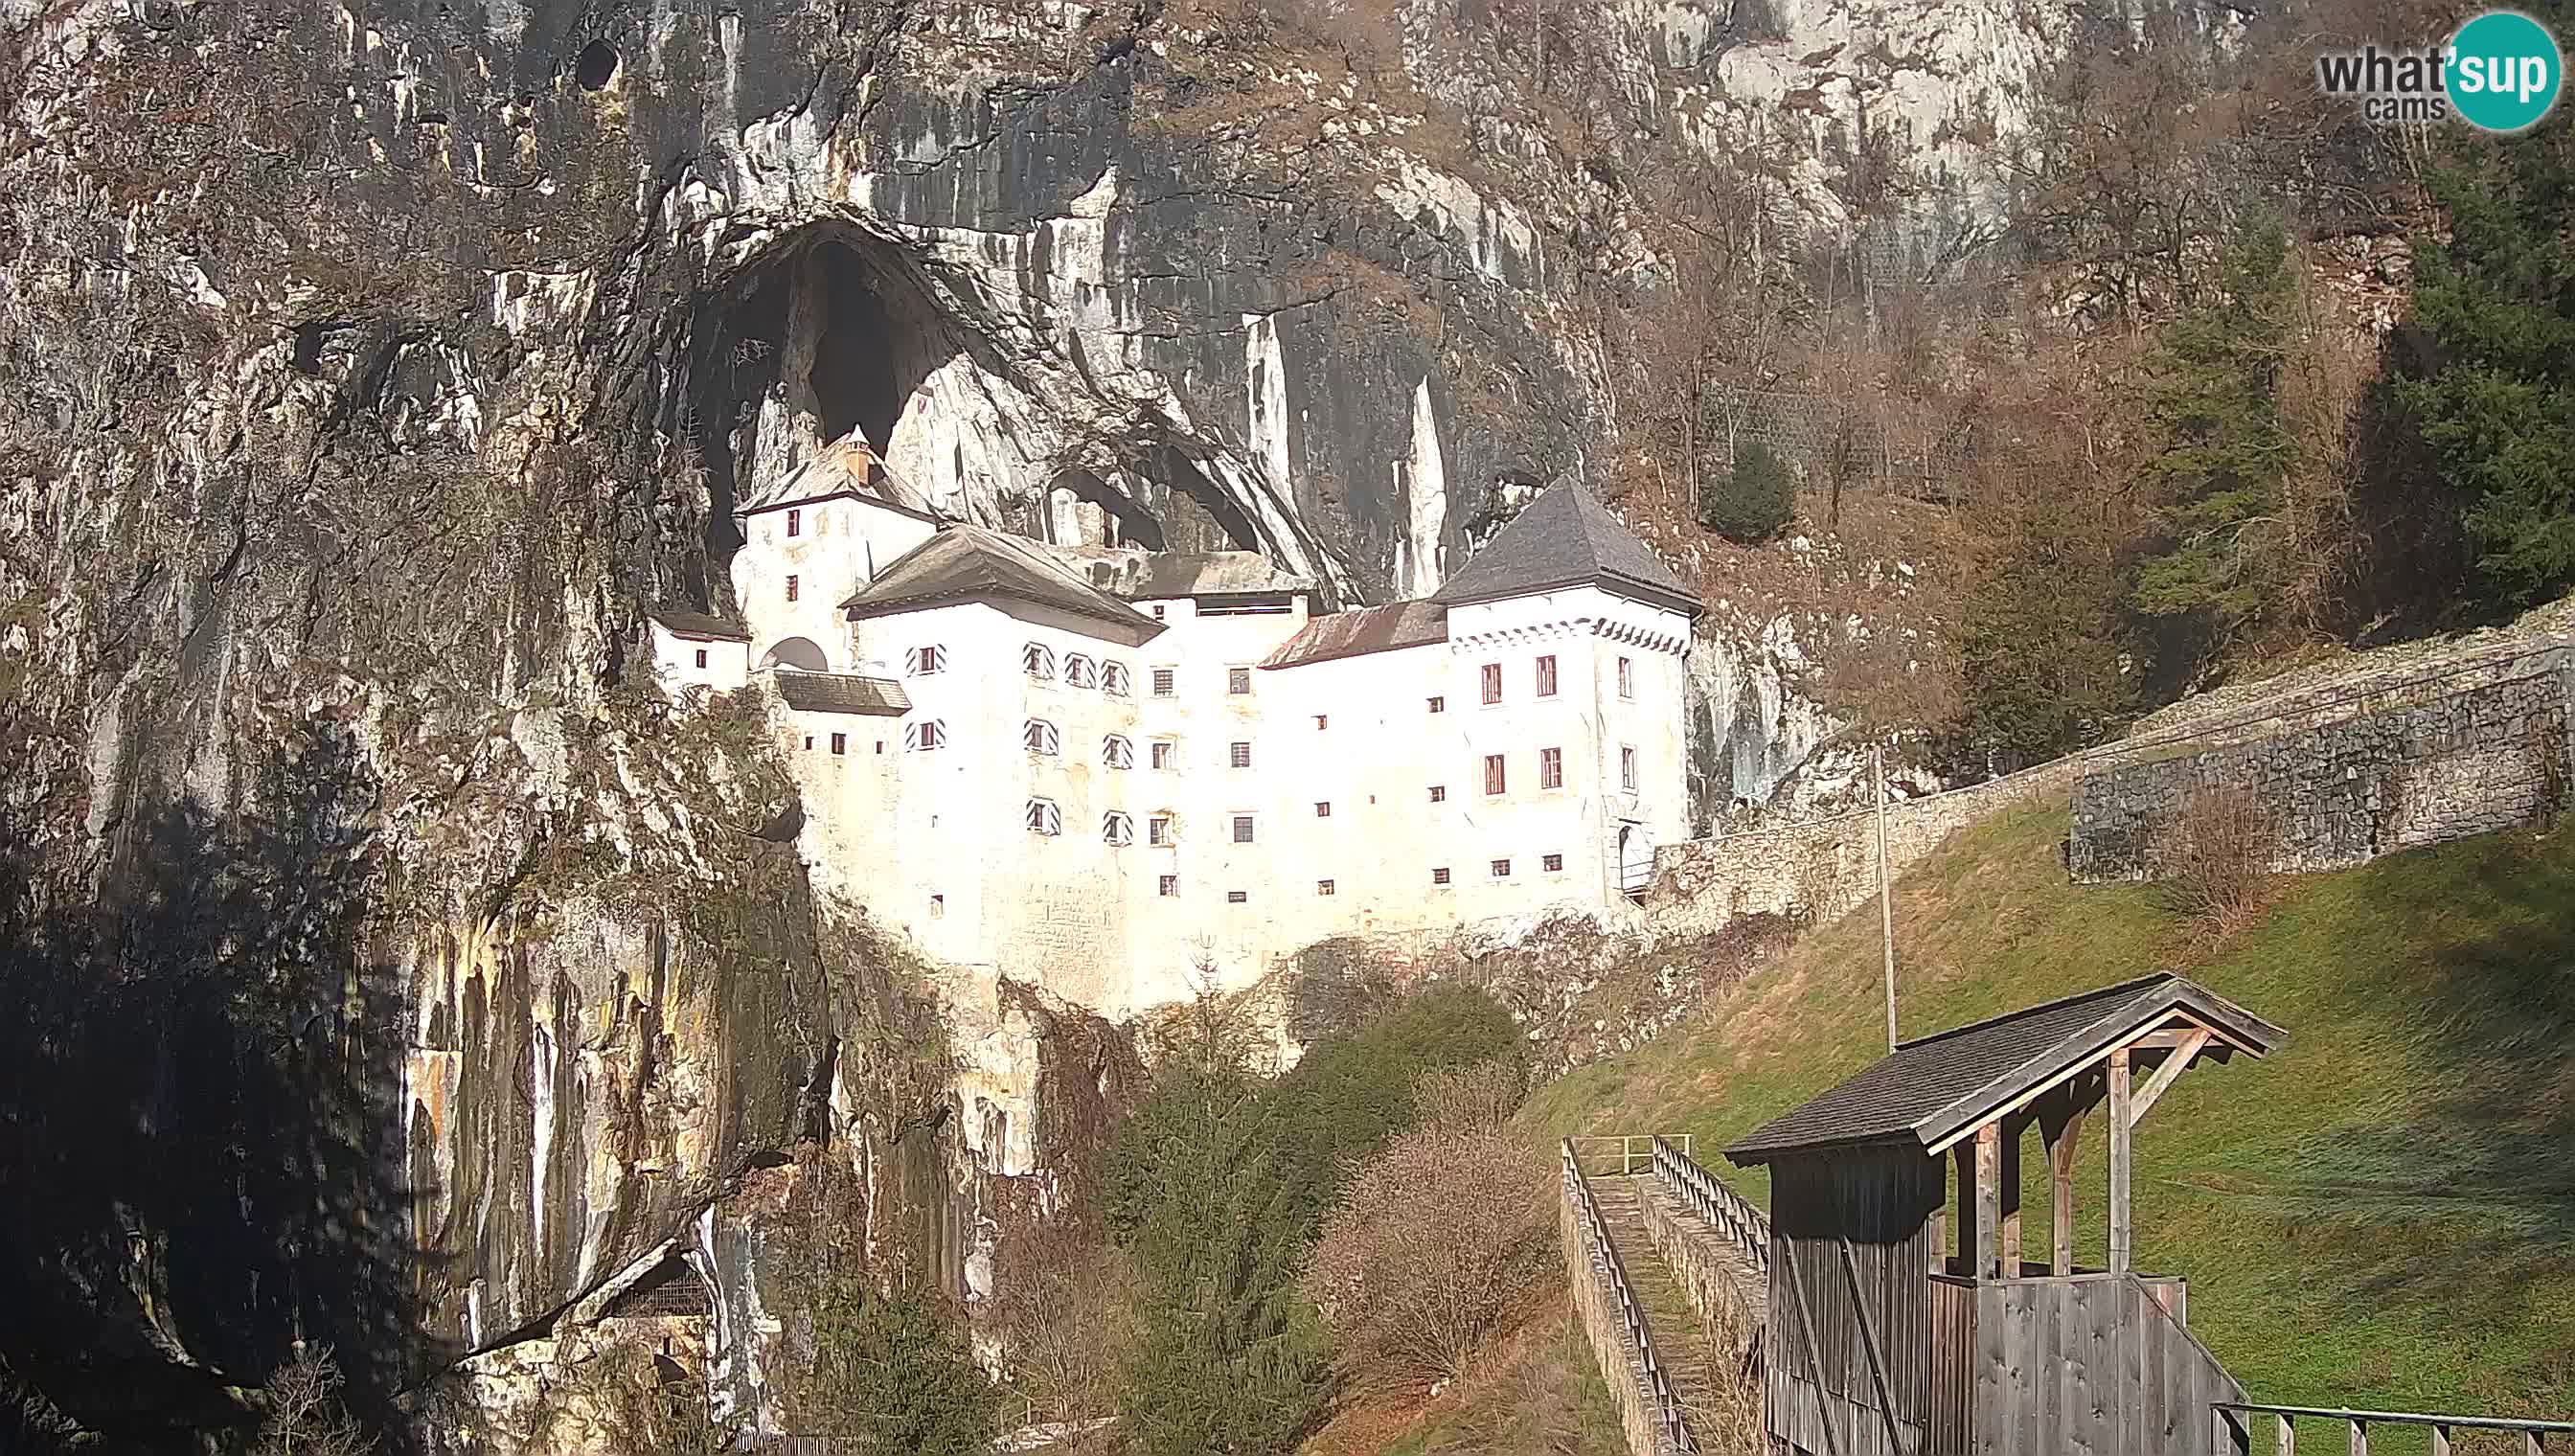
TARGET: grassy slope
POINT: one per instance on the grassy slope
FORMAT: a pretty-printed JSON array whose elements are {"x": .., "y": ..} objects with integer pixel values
[{"x": 2381, "y": 1213}]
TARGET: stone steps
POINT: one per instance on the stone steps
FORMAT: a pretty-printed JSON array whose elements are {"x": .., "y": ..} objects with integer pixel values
[{"x": 1690, "y": 1358}]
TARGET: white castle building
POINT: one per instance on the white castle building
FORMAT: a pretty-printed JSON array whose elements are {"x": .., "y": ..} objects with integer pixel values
[{"x": 1094, "y": 769}]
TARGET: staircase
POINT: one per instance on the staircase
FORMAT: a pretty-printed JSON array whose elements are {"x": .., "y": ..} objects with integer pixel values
[{"x": 1678, "y": 1309}]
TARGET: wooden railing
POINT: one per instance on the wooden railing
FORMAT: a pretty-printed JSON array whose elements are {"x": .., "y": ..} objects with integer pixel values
[
  {"x": 1673, "y": 1435},
  {"x": 2356, "y": 1423},
  {"x": 1634, "y": 1150},
  {"x": 1707, "y": 1195}
]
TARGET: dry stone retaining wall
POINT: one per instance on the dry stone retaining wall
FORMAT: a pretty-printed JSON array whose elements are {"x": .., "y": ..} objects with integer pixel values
[
  {"x": 2471, "y": 760},
  {"x": 2435, "y": 736}
]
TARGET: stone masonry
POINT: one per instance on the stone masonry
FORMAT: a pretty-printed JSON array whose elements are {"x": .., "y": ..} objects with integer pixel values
[{"x": 2488, "y": 755}]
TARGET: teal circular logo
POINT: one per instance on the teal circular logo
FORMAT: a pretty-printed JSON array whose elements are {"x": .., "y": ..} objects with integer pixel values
[{"x": 2503, "y": 71}]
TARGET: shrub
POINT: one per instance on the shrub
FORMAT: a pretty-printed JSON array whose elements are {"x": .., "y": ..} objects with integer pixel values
[
  {"x": 2213, "y": 856},
  {"x": 1440, "y": 1235},
  {"x": 1752, "y": 501},
  {"x": 1063, "y": 1317}
]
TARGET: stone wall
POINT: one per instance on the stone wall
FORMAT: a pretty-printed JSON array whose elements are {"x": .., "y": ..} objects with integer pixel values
[
  {"x": 2484, "y": 757},
  {"x": 1816, "y": 870},
  {"x": 2449, "y": 722}
]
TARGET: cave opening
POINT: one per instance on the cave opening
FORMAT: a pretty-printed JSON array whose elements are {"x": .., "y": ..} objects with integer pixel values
[
  {"x": 596, "y": 66},
  {"x": 1200, "y": 516},
  {"x": 856, "y": 385},
  {"x": 832, "y": 331}
]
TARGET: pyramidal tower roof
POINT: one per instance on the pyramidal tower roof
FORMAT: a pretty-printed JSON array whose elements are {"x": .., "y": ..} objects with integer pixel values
[{"x": 1563, "y": 539}]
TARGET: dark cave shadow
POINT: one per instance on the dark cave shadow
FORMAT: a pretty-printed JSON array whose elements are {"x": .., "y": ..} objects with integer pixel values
[
  {"x": 2488, "y": 1160},
  {"x": 201, "y": 1114}
]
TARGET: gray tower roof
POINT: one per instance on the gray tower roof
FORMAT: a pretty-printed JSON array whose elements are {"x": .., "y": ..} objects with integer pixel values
[{"x": 1566, "y": 538}]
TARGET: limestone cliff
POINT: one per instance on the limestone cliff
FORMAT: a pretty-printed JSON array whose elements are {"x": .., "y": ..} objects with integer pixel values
[{"x": 399, "y": 968}]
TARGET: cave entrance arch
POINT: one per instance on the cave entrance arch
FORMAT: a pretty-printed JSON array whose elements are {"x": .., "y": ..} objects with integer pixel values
[
  {"x": 827, "y": 333},
  {"x": 798, "y": 654}
]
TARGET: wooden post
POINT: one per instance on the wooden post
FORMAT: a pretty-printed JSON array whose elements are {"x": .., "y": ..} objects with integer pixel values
[
  {"x": 2120, "y": 1129},
  {"x": 2288, "y": 1437},
  {"x": 2359, "y": 1438},
  {"x": 2060, "y": 1176},
  {"x": 1965, "y": 1152},
  {"x": 1989, "y": 1185},
  {"x": 1885, "y": 895},
  {"x": 2440, "y": 1441},
  {"x": 2009, "y": 1177},
  {"x": 1940, "y": 1241}
]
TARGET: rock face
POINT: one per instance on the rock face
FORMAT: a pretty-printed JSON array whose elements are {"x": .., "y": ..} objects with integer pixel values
[{"x": 399, "y": 967}]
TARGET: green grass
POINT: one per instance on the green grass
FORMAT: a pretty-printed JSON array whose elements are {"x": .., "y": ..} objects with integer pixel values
[{"x": 2381, "y": 1213}]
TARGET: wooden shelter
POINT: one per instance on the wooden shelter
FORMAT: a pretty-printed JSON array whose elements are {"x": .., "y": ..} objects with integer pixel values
[{"x": 1884, "y": 1342}]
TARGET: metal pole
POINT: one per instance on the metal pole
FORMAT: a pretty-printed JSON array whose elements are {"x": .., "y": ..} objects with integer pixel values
[{"x": 1885, "y": 892}]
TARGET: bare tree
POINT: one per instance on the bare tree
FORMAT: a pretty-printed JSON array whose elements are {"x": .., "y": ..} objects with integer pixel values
[{"x": 305, "y": 1414}]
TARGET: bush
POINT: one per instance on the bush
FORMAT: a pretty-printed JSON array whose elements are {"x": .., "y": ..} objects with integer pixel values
[
  {"x": 1440, "y": 1235},
  {"x": 1062, "y": 1314},
  {"x": 1755, "y": 501},
  {"x": 1347, "y": 1096},
  {"x": 2213, "y": 856}
]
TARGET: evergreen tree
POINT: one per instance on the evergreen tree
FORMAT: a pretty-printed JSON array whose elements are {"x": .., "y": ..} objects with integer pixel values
[
  {"x": 2039, "y": 644},
  {"x": 894, "y": 1371},
  {"x": 1231, "y": 1359},
  {"x": 2497, "y": 300},
  {"x": 2217, "y": 483},
  {"x": 1752, "y": 501}
]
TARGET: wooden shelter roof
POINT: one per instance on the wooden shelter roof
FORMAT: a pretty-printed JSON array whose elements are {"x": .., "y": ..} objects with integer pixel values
[{"x": 1927, "y": 1091}]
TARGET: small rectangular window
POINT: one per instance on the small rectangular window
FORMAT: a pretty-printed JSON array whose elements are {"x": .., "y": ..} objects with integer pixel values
[
  {"x": 1438, "y": 705},
  {"x": 701, "y": 657},
  {"x": 808, "y": 742},
  {"x": 1502, "y": 870},
  {"x": 1547, "y": 677},
  {"x": 1492, "y": 772},
  {"x": 938, "y": 907},
  {"x": 1323, "y": 886},
  {"x": 1492, "y": 681},
  {"x": 1159, "y": 610},
  {"x": 1166, "y": 754},
  {"x": 923, "y": 661},
  {"x": 1162, "y": 682},
  {"x": 1322, "y": 720},
  {"x": 1243, "y": 829},
  {"x": 1627, "y": 769},
  {"x": 1167, "y": 887},
  {"x": 1440, "y": 875},
  {"x": 1236, "y": 897},
  {"x": 1626, "y": 678},
  {"x": 839, "y": 743},
  {"x": 1554, "y": 864},
  {"x": 1241, "y": 755},
  {"x": 1157, "y": 830},
  {"x": 1438, "y": 793},
  {"x": 1237, "y": 681},
  {"x": 1551, "y": 768},
  {"x": 796, "y": 523},
  {"x": 1322, "y": 811},
  {"x": 790, "y": 589},
  {"x": 1043, "y": 817}
]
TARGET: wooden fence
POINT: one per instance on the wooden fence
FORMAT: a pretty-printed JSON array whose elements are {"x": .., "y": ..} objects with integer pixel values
[{"x": 2356, "y": 1423}]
